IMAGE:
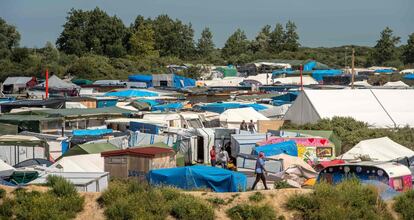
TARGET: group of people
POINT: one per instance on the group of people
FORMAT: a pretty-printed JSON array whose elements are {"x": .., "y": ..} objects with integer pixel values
[
  {"x": 248, "y": 127},
  {"x": 221, "y": 158},
  {"x": 226, "y": 162}
]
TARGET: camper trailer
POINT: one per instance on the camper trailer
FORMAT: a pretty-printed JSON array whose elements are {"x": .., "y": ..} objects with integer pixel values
[{"x": 396, "y": 175}]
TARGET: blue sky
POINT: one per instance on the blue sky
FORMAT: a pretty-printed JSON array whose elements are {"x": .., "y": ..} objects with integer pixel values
[{"x": 320, "y": 22}]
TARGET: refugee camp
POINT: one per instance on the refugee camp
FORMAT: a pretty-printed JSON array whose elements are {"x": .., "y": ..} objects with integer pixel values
[{"x": 180, "y": 109}]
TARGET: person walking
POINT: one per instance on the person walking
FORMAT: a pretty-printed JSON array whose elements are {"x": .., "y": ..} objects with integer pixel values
[
  {"x": 252, "y": 129},
  {"x": 213, "y": 156},
  {"x": 243, "y": 126},
  {"x": 224, "y": 158},
  {"x": 260, "y": 171}
]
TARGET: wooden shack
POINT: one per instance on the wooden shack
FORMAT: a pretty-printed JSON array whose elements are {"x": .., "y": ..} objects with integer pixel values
[{"x": 136, "y": 162}]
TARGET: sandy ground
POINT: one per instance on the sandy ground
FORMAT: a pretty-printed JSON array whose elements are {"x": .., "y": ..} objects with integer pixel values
[
  {"x": 275, "y": 198},
  {"x": 91, "y": 210}
]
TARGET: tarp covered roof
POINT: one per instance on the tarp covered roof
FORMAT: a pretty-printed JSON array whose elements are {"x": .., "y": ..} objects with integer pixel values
[
  {"x": 193, "y": 177},
  {"x": 378, "y": 149},
  {"x": 56, "y": 83},
  {"x": 132, "y": 93},
  {"x": 81, "y": 163},
  {"x": 287, "y": 147},
  {"x": 90, "y": 149},
  {"x": 20, "y": 80}
]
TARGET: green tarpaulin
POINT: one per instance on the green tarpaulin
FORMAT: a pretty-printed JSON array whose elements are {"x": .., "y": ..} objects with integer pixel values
[
  {"x": 227, "y": 72},
  {"x": 90, "y": 149}
]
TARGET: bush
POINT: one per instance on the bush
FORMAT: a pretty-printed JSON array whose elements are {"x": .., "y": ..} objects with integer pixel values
[
  {"x": 256, "y": 197},
  {"x": 216, "y": 201},
  {"x": 188, "y": 208},
  {"x": 61, "y": 187},
  {"x": 347, "y": 200},
  {"x": 6, "y": 208},
  {"x": 2, "y": 193},
  {"x": 281, "y": 185},
  {"x": 251, "y": 212},
  {"x": 404, "y": 204}
]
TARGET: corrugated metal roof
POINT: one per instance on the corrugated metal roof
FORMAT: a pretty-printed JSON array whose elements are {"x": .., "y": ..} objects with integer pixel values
[{"x": 141, "y": 151}]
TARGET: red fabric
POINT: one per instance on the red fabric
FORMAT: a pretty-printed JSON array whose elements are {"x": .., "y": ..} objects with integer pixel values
[
  {"x": 331, "y": 163},
  {"x": 212, "y": 154}
]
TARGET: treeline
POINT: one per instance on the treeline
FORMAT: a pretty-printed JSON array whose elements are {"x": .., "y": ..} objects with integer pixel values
[{"x": 96, "y": 45}]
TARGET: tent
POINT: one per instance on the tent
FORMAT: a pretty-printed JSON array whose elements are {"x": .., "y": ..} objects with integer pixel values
[
  {"x": 168, "y": 107},
  {"x": 147, "y": 79},
  {"x": 80, "y": 163},
  {"x": 231, "y": 118},
  {"x": 5, "y": 169},
  {"x": 17, "y": 148},
  {"x": 130, "y": 93},
  {"x": 399, "y": 84},
  {"x": 319, "y": 74},
  {"x": 220, "y": 107},
  {"x": 244, "y": 143},
  {"x": 172, "y": 80},
  {"x": 194, "y": 177},
  {"x": 295, "y": 80},
  {"x": 380, "y": 108},
  {"x": 287, "y": 147},
  {"x": 56, "y": 83},
  {"x": 91, "y": 132},
  {"x": 33, "y": 162},
  {"x": 227, "y": 71},
  {"x": 81, "y": 82},
  {"x": 90, "y": 149},
  {"x": 409, "y": 76},
  {"x": 362, "y": 83},
  {"x": 378, "y": 149}
]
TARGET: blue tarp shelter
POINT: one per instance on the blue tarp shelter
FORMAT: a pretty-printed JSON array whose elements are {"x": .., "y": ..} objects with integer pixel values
[
  {"x": 199, "y": 176},
  {"x": 149, "y": 101},
  {"x": 287, "y": 147},
  {"x": 220, "y": 107},
  {"x": 94, "y": 132},
  {"x": 168, "y": 107},
  {"x": 132, "y": 93},
  {"x": 319, "y": 74},
  {"x": 409, "y": 76},
  {"x": 183, "y": 82},
  {"x": 384, "y": 71},
  {"x": 141, "y": 78},
  {"x": 285, "y": 71},
  {"x": 309, "y": 66}
]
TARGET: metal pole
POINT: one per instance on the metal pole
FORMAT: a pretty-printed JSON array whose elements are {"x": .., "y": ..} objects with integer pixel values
[
  {"x": 47, "y": 83},
  {"x": 301, "y": 77},
  {"x": 353, "y": 68}
]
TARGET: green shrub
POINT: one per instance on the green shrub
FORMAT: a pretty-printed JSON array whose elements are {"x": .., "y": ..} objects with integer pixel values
[
  {"x": 188, "y": 208},
  {"x": 61, "y": 187},
  {"x": 216, "y": 201},
  {"x": 6, "y": 208},
  {"x": 404, "y": 204},
  {"x": 347, "y": 200},
  {"x": 169, "y": 193},
  {"x": 256, "y": 197},
  {"x": 282, "y": 185},
  {"x": 120, "y": 209},
  {"x": 251, "y": 212},
  {"x": 2, "y": 193}
]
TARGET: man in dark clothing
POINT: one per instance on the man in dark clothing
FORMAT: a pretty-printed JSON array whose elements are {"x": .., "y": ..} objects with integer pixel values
[
  {"x": 243, "y": 126},
  {"x": 252, "y": 129},
  {"x": 260, "y": 171}
]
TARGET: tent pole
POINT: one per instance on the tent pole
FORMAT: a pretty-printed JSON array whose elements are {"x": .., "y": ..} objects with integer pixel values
[
  {"x": 301, "y": 77},
  {"x": 353, "y": 68}
]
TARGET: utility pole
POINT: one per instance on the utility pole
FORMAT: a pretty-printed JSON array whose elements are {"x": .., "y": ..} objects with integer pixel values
[{"x": 353, "y": 67}]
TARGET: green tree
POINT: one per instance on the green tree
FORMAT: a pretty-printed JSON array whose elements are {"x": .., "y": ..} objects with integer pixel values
[
  {"x": 142, "y": 41},
  {"x": 261, "y": 42},
  {"x": 92, "y": 32},
  {"x": 408, "y": 54},
  {"x": 277, "y": 39},
  {"x": 205, "y": 45},
  {"x": 9, "y": 38},
  {"x": 236, "y": 44},
  {"x": 385, "y": 49},
  {"x": 173, "y": 38},
  {"x": 291, "y": 38}
]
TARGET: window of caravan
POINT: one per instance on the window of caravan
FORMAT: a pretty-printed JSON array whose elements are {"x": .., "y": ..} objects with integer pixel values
[
  {"x": 336, "y": 174},
  {"x": 324, "y": 152},
  {"x": 398, "y": 184}
]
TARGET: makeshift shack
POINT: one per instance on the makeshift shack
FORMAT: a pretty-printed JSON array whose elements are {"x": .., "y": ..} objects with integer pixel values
[
  {"x": 232, "y": 118},
  {"x": 18, "y": 84},
  {"x": 89, "y": 149},
  {"x": 17, "y": 148},
  {"x": 136, "y": 162},
  {"x": 196, "y": 177},
  {"x": 172, "y": 81},
  {"x": 147, "y": 79}
]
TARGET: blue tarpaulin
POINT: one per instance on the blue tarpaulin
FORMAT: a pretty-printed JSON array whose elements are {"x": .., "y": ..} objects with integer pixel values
[
  {"x": 384, "y": 71},
  {"x": 131, "y": 93},
  {"x": 94, "y": 132},
  {"x": 194, "y": 177},
  {"x": 182, "y": 82},
  {"x": 149, "y": 101},
  {"x": 168, "y": 107},
  {"x": 144, "y": 127},
  {"x": 285, "y": 98},
  {"x": 319, "y": 74},
  {"x": 287, "y": 147},
  {"x": 220, "y": 107},
  {"x": 309, "y": 66},
  {"x": 285, "y": 71},
  {"x": 409, "y": 76},
  {"x": 141, "y": 78}
]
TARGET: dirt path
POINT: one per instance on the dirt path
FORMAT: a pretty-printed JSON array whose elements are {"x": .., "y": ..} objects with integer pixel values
[{"x": 91, "y": 209}]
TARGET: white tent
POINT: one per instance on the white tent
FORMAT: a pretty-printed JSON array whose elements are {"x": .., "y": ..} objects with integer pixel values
[
  {"x": 295, "y": 80},
  {"x": 74, "y": 105},
  {"x": 381, "y": 108},
  {"x": 397, "y": 84},
  {"x": 407, "y": 71},
  {"x": 80, "y": 163},
  {"x": 378, "y": 149},
  {"x": 231, "y": 118},
  {"x": 6, "y": 169},
  {"x": 56, "y": 83},
  {"x": 226, "y": 81},
  {"x": 291, "y": 161}
]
